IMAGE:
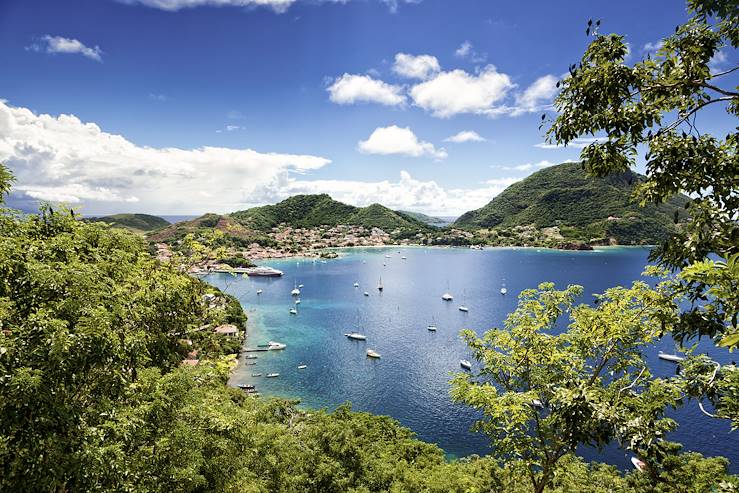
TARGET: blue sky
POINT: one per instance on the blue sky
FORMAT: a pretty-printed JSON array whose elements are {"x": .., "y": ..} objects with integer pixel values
[{"x": 188, "y": 106}]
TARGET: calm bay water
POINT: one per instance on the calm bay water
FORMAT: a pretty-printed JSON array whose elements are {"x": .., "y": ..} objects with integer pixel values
[{"x": 410, "y": 382}]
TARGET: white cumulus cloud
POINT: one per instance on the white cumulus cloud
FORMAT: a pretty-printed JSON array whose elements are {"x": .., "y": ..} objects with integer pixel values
[
  {"x": 350, "y": 89},
  {"x": 407, "y": 193},
  {"x": 537, "y": 96},
  {"x": 465, "y": 136},
  {"x": 59, "y": 44},
  {"x": 399, "y": 140},
  {"x": 60, "y": 158},
  {"x": 415, "y": 67},
  {"x": 456, "y": 92}
]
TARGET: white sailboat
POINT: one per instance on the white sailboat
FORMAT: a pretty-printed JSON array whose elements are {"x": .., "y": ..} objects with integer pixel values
[
  {"x": 463, "y": 306},
  {"x": 275, "y": 346},
  {"x": 670, "y": 357},
  {"x": 356, "y": 284},
  {"x": 432, "y": 325},
  {"x": 503, "y": 290},
  {"x": 380, "y": 287},
  {"x": 447, "y": 296},
  {"x": 366, "y": 293},
  {"x": 371, "y": 353},
  {"x": 259, "y": 291},
  {"x": 356, "y": 336},
  {"x": 293, "y": 311},
  {"x": 295, "y": 291}
]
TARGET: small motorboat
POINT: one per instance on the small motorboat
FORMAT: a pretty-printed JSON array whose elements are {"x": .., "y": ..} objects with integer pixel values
[
  {"x": 250, "y": 363},
  {"x": 431, "y": 327},
  {"x": 300, "y": 286},
  {"x": 276, "y": 346},
  {"x": 256, "y": 374},
  {"x": 403, "y": 257},
  {"x": 302, "y": 367},
  {"x": 245, "y": 386},
  {"x": 356, "y": 284},
  {"x": 463, "y": 308},
  {"x": 503, "y": 290},
  {"x": 356, "y": 336},
  {"x": 638, "y": 464},
  {"x": 293, "y": 311},
  {"x": 366, "y": 293},
  {"x": 259, "y": 291},
  {"x": 670, "y": 357},
  {"x": 447, "y": 297},
  {"x": 297, "y": 302},
  {"x": 465, "y": 364},
  {"x": 295, "y": 291},
  {"x": 371, "y": 353},
  {"x": 273, "y": 375},
  {"x": 387, "y": 256}
]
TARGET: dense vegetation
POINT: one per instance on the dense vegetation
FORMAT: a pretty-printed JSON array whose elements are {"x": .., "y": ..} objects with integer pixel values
[
  {"x": 233, "y": 234},
  {"x": 93, "y": 396},
  {"x": 139, "y": 223},
  {"x": 581, "y": 206},
  {"x": 93, "y": 330},
  {"x": 307, "y": 211}
]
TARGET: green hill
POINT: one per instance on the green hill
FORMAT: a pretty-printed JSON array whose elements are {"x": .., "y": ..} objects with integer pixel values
[
  {"x": 140, "y": 223},
  {"x": 430, "y": 220},
  {"x": 307, "y": 211},
  {"x": 584, "y": 208}
]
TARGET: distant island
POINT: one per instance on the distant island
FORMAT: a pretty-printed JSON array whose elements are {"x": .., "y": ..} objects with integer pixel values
[{"x": 556, "y": 207}]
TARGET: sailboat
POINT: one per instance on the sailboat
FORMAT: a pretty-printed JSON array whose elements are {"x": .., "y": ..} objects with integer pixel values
[
  {"x": 293, "y": 311},
  {"x": 380, "y": 287},
  {"x": 259, "y": 291},
  {"x": 295, "y": 291},
  {"x": 371, "y": 353},
  {"x": 356, "y": 284},
  {"x": 463, "y": 307},
  {"x": 432, "y": 325},
  {"x": 447, "y": 296},
  {"x": 503, "y": 290}
]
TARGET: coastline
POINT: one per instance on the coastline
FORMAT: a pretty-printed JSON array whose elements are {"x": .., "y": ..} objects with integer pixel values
[{"x": 303, "y": 256}]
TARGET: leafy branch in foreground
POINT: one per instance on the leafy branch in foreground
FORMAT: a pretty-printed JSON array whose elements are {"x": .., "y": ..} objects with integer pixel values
[
  {"x": 544, "y": 391},
  {"x": 652, "y": 107}
]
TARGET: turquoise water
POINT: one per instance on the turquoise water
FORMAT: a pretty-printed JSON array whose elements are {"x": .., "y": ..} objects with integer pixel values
[{"x": 410, "y": 382}]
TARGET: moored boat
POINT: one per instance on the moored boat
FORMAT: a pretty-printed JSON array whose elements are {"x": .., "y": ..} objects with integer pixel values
[
  {"x": 465, "y": 364},
  {"x": 272, "y": 375},
  {"x": 670, "y": 357},
  {"x": 356, "y": 336},
  {"x": 302, "y": 367},
  {"x": 371, "y": 353},
  {"x": 276, "y": 346},
  {"x": 262, "y": 272}
]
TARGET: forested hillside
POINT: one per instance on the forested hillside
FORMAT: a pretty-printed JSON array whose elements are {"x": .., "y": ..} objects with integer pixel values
[{"x": 583, "y": 207}]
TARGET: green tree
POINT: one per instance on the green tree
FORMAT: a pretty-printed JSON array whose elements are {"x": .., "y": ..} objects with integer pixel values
[
  {"x": 544, "y": 389},
  {"x": 652, "y": 107}
]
